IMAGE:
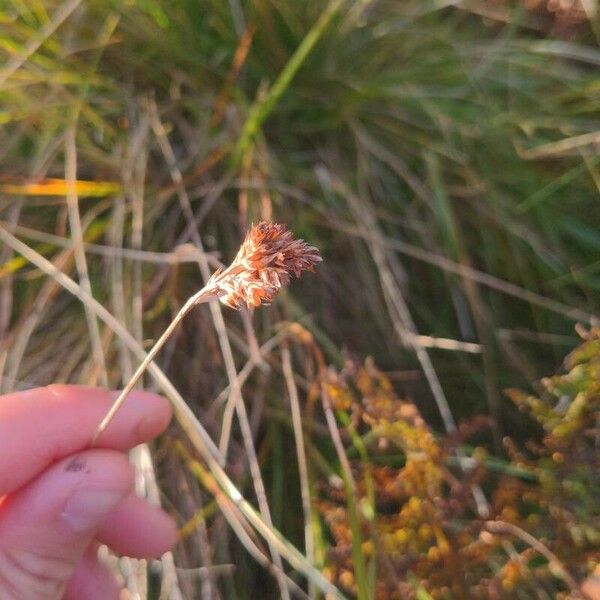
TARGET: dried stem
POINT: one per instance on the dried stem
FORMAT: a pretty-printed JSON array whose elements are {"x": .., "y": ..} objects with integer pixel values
[
  {"x": 247, "y": 369},
  {"x": 555, "y": 564},
  {"x": 351, "y": 497},
  {"x": 309, "y": 543},
  {"x": 27, "y": 324},
  {"x": 206, "y": 294},
  {"x": 79, "y": 252}
]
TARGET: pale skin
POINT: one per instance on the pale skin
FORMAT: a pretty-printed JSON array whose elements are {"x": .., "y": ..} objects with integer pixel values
[{"x": 59, "y": 499}]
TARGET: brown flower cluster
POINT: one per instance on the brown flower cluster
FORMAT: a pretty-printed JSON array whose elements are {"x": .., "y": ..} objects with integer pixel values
[{"x": 264, "y": 264}]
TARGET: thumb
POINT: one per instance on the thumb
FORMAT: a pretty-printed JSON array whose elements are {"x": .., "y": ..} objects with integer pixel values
[{"x": 46, "y": 526}]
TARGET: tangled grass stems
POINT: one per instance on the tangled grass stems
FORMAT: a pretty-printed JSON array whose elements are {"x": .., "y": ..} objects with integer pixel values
[
  {"x": 404, "y": 323},
  {"x": 233, "y": 519}
]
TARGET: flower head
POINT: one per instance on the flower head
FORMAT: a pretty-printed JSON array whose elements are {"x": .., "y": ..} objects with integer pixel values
[{"x": 264, "y": 263}]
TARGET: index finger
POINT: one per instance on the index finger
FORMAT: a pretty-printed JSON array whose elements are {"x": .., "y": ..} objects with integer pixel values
[{"x": 42, "y": 425}]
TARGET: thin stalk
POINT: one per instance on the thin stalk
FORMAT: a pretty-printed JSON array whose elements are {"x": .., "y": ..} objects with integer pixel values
[
  {"x": 261, "y": 109},
  {"x": 6, "y": 292},
  {"x": 79, "y": 252},
  {"x": 182, "y": 254},
  {"x": 117, "y": 285},
  {"x": 200, "y": 297},
  {"x": 556, "y": 566},
  {"x": 247, "y": 369},
  {"x": 485, "y": 279},
  {"x": 309, "y": 543},
  {"x": 358, "y": 557}
]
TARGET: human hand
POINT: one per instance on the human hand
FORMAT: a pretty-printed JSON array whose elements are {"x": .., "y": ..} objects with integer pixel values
[{"x": 59, "y": 499}]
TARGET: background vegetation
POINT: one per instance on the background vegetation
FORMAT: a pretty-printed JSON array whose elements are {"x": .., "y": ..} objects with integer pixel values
[{"x": 443, "y": 155}]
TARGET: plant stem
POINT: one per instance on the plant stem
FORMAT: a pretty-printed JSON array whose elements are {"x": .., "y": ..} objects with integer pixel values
[
  {"x": 309, "y": 543},
  {"x": 360, "y": 567},
  {"x": 261, "y": 109},
  {"x": 200, "y": 297}
]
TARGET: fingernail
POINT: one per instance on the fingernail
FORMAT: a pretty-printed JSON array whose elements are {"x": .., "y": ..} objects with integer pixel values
[{"x": 87, "y": 507}]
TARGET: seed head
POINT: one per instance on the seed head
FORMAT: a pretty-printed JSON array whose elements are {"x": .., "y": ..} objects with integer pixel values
[{"x": 264, "y": 263}]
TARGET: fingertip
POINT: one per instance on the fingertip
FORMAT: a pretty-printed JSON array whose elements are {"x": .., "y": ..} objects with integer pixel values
[
  {"x": 157, "y": 413},
  {"x": 154, "y": 415},
  {"x": 165, "y": 533},
  {"x": 152, "y": 411},
  {"x": 138, "y": 529}
]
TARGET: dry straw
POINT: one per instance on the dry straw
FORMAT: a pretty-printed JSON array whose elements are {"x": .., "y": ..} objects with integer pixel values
[{"x": 265, "y": 263}]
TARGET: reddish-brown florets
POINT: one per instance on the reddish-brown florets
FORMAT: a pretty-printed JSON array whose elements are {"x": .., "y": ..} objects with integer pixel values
[{"x": 264, "y": 264}]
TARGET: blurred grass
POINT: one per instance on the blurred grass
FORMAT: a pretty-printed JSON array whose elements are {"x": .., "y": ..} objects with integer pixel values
[{"x": 473, "y": 138}]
